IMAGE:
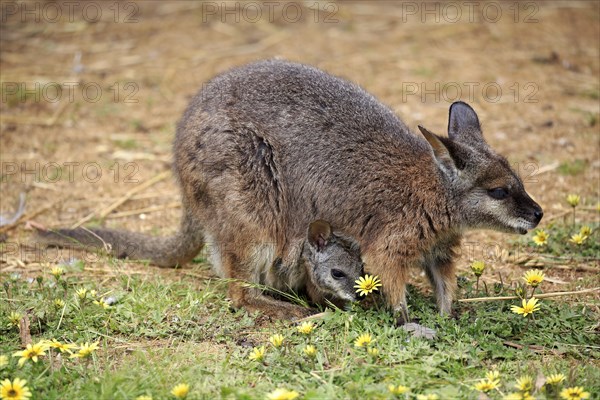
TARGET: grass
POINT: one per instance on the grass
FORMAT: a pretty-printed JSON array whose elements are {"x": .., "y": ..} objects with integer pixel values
[{"x": 170, "y": 328}]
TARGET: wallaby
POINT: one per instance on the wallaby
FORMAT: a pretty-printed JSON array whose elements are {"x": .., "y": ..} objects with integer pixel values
[
  {"x": 325, "y": 265},
  {"x": 266, "y": 148}
]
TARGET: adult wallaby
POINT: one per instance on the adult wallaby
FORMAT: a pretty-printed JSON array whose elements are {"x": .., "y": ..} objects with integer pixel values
[{"x": 266, "y": 148}]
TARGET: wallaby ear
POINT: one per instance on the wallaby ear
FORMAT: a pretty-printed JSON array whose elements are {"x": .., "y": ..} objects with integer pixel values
[
  {"x": 440, "y": 151},
  {"x": 319, "y": 233},
  {"x": 463, "y": 124}
]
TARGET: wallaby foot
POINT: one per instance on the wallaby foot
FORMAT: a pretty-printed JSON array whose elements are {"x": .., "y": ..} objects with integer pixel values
[{"x": 417, "y": 330}]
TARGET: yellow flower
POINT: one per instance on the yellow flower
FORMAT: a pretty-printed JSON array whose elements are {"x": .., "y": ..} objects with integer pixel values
[
  {"x": 573, "y": 200},
  {"x": 529, "y": 307},
  {"x": 282, "y": 394},
  {"x": 31, "y": 352},
  {"x": 373, "y": 351},
  {"x": 3, "y": 360},
  {"x": 485, "y": 385},
  {"x": 102, "y": 303},
  {"x": 541, "y": 237},
  {"x": 144, "y": 397},
  {"x": 533, "y": 277},
  {"x": 62, "y": 347},
  {"x": 85, "y": 350},
  {"x": 367, "y": 284},
  {"x": 306, "y": 328},
  {"x": 555, "y": 379},
  {"x": 15, "y": 318},
  {"x": 57, "y": 272},
  {"x": 310, "y": 350},
  {"x": 477, "y": 267},
  {"x": 181, "y": 391},
  {"x": 574, "y": 393},
  {"x": 258, "y": 353},
  {"x": 524, "y": 384},
  {"x": 81, "y": 293},
  {"x": 399, "y": 389},
  {"x": 276, "y": 340},
  {"x": 585, "y": 231},
  {"x": 577, "y": 238},
  {"x": 493, "y": 375},
  {"x": 431, "y": 396},
  {"x": 15, "y": 390},
  {"x": 59, "y": 303},
  {"x": 363, "y": 340}
]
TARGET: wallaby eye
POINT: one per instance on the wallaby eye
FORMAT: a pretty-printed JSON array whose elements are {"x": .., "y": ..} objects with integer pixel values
[
  {"x": 498, "y": 193},
  {"x": 337, "y": 274}
]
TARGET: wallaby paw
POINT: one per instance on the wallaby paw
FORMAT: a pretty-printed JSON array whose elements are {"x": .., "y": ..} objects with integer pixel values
[{"x": 419, "y": 331}]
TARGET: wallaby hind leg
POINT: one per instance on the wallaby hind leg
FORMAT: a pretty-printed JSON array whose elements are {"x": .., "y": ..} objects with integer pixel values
[{"x": 250, "y": 298}]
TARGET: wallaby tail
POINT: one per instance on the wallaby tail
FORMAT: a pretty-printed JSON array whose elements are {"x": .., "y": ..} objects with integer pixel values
[{"x": 162, "y": 251}]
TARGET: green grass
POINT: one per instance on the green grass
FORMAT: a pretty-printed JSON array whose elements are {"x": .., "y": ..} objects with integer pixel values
[
  {"x": 574, "y": 167},
  {"x": 174, "y": 327}
]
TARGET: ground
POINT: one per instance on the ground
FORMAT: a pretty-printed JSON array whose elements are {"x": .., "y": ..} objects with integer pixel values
[{"x": 91, "y": 98}]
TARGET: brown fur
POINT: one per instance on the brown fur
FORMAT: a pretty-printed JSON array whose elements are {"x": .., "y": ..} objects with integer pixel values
[{"x": 267, "y": 148}]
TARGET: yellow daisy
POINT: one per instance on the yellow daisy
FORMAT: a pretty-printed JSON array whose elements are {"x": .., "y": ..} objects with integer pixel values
[
  {"x": 282, "y": 394},
  {"x": 477, "y": 267},
  {"x": 524, "y": 383},
  {"x": 573, "y": 200},
  {"x": 102, "y": 303},
  {"x": 59, "y": 303},
  {"x": 276, "y": 340},
  {"x": 363, "y": 340},
  {"x": 15, "y": 318},
  {"x": 181, "y": 391},
  {"x": 541, "y": 237},
  {"x": 310, "y": 350},
  {"x": 57, "y": 272},
  {"x": 493, "y": 375},
  {"x": 62, "y": 347},
  {"x": 373, "y": 351},
  {"x": 31, "y": 352},
  {"x": 257, "y": 353},
  {"x": 574, "y": 393},
  {"x": 81, "y": 293},
  {"x": 306, "y": 328},
  {"x": 577, "y": 238},
  {"x": 485, "y": 385},
  {"x": 585, "y": 231},
  {"x": 3, "y": 360},
  {"x": 144, "y": 397},
  {"x": 85, "y": 350},
  {"x": 398, "y": 389},
  {"x": 367, "y": 284},
  {"x": 15, "y": 390},
  {"x": 555, "y": 379},
  {"x": 533, "y": 277},
  {"x": 529, "y": 307}
]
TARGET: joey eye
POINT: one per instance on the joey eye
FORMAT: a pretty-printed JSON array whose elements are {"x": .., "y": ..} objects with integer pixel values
[
  {"x": 498, "y": 193},
  {"x": 337, "y": 274}
]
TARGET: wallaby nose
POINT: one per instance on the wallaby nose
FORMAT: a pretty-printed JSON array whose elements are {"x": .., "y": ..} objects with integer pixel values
[{"x": 538, "y": 215}]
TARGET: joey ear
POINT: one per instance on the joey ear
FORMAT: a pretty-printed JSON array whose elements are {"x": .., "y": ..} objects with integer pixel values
[
  {"x": 319, "y": 233},
  {"x": 463, "y": 124},
  {"x": 440, "y": 151}
]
